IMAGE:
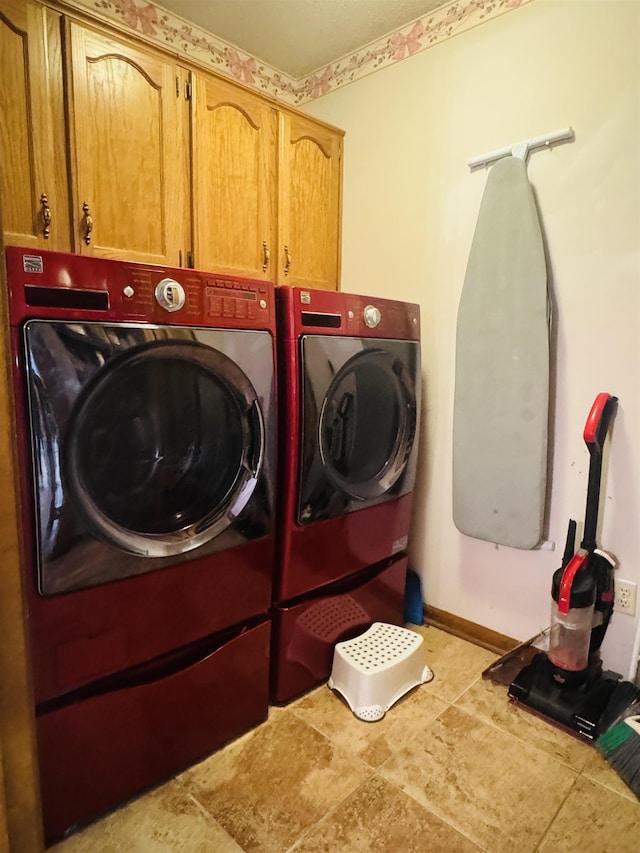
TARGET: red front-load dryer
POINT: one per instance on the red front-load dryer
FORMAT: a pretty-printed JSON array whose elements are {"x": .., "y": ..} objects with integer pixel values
[
  {"x": 349, "y": 390},
  {"x": 146, "y": 418}
]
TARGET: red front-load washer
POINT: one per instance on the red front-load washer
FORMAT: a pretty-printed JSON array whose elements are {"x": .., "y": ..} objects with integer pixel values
[
  {"x": 146, "y": 418},
  {"x": 349, "y": 390}
]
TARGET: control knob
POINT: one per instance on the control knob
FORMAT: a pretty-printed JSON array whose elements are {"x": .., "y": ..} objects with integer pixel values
[
  {"x": 371, "y": 316},
  {"x": 170, "y": 295}
]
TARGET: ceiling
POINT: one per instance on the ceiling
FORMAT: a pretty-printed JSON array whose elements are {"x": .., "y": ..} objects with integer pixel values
[{"x": 300, "y": 36}]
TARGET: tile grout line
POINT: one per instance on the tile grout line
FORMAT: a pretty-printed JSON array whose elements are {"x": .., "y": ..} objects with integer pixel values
[
  {"x": 527, "y": 742},
  {"x": 441, "y": 818},
  {"x": 329, "y": 813},
  {"x": 557, "y": 812},
  {"x": 630, "y": 797},
  {"x": 402, "y": 744},
  {"x": 208, "y": 816},
  {"x": 376, "y": 775}
]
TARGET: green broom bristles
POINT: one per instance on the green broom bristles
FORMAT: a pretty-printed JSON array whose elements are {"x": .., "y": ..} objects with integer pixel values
[
  {"x": 620, "y": 745},
  {"x": 617, "y": 735}
]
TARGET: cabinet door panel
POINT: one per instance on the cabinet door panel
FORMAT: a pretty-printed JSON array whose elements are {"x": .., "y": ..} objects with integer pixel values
[
  {"x": 310, "y": 197},
  {"x": 234, "y": 190},
  {"x": 32, "y": 138},
  {"x": 126, "y": 127}
]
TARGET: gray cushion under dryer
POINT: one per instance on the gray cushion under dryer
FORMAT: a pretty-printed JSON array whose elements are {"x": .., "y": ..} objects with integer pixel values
[{"x": 500, "y": 421}]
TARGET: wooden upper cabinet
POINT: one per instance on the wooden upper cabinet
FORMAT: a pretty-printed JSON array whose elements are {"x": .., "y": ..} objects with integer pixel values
[
  {"x": 113, "y": 149},
  {"x": 266, "y": 188},
  {"x": 33, "y": 167},
  {"x": 310, "y": 181},
  {"x": 130, "y": 178},
  {"x": 234, "y": 180}
]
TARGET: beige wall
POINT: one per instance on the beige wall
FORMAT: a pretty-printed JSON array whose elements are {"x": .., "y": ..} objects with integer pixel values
[{"x": 410, "y": 204}]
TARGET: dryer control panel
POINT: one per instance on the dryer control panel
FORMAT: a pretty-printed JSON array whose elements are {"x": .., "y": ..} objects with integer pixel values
[{"x": 329, "y": 313}]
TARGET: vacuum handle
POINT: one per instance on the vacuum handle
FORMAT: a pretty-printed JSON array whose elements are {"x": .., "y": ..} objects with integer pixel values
[
  {"x": 595, "y": 429},
  {"x": 595, "y": 432}
]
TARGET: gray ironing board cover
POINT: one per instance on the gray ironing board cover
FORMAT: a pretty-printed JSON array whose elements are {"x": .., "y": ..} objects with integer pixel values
[{"x": 501, "y": 404}]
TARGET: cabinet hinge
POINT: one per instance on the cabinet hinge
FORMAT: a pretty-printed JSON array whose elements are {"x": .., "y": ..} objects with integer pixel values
[
  {"x": 187, "y": 90},
  {"x": 190, "y": 260},
  {"x": 177, "y": 86}
]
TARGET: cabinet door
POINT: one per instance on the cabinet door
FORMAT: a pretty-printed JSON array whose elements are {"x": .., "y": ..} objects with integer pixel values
[
  {"x": 130, "y": 178},
  {"x": 32, "y": 131},
  {"x": 234, "y": 180},
  {"x": 310, "y": 179}
]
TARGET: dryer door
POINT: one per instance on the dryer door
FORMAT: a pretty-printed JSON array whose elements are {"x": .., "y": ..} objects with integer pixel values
[
  {"x": 148, "y": 442},
  {"x": 360, "y": 413}
]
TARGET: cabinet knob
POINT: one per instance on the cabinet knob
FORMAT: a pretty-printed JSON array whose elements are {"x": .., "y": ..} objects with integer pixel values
[
  {"x": 266, "y": 256},
  {"x": 287, "y": 260},
  {"x": 88, "y": 223},
  {"x": 46, "y": 215}
]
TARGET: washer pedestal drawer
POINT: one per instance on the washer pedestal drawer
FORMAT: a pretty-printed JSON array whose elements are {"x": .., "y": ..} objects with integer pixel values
[{"x": 100, "y": 751}]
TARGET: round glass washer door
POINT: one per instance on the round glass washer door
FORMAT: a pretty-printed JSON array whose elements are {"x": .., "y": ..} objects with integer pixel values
[
  {"x": 165, "y": 447},
  {"x": 367, "y": 424}
]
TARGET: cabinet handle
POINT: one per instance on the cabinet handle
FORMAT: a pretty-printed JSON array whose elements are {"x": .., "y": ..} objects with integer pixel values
[
  {"x": 287, "y": 260},
  {"x": 46, "y": 215},
  {"x": 266, "y": 256},
  {"x": 88, "y": 223}
]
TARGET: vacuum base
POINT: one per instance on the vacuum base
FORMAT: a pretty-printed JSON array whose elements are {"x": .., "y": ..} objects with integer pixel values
[{"x": 577, "y": 709}]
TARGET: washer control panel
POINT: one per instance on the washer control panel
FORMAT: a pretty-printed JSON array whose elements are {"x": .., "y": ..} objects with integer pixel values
[
  {"x": 70, "y": 286},
  {"x": 198, "y": 297}
]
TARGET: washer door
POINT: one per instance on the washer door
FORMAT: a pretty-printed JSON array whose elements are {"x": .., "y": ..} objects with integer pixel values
[
  {"x": 151, "y": 446},
  {"x": 164, "y": 448},
  {"x": 360, "y": 410}
]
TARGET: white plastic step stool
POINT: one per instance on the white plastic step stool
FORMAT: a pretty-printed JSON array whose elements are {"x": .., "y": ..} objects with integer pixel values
[{"x": 377, "y": 668}]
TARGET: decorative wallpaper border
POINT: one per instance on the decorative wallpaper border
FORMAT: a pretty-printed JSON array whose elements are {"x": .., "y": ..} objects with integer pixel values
[{"x": 161, "y": 27}]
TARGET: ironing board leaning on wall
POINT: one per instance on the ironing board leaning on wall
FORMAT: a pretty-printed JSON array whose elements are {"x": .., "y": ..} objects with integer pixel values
[{"x": 501, "y": 404}]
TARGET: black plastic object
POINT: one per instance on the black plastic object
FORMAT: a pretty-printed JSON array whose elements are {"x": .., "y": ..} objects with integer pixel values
[
  {"x": 570, "y": 544},
  {"x": 578, "y": 709}
]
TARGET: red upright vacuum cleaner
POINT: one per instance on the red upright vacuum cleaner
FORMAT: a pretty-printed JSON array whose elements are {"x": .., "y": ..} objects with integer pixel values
[{"x": 567, "y": 684}]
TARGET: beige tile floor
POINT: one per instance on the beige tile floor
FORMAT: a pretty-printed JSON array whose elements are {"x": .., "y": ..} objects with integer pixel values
[{"x": 452, "y": 767}]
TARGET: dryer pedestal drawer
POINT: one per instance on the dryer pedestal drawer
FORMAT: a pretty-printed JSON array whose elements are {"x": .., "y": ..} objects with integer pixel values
[
  {"x": 306, "y": 632},
  {"x": 100, "y": 751},
  {"x": 339, "y": 547}
]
